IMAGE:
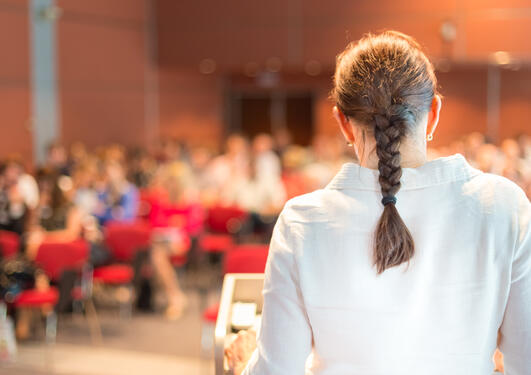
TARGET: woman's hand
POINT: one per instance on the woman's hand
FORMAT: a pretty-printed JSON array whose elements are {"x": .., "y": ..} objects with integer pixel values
[
  {"x": 498, "y": 361},
  {"x": 240, "y": 351}
]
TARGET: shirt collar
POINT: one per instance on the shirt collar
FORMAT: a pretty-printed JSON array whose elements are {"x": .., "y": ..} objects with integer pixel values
[{"x": 435, "y": 172}]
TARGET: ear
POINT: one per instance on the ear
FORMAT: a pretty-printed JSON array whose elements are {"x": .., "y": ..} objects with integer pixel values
[
  {"x": 433, "y": 115},
  {"x": 344, "y": 125}
]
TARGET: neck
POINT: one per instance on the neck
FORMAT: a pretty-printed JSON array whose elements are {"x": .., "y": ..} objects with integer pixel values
[{"x": 412, "y": 155}]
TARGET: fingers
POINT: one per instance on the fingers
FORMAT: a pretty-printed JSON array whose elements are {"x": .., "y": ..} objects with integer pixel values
[{"x": 241, "y": 349}]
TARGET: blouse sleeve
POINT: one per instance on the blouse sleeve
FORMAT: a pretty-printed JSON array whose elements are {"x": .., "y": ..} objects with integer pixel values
[
  {"x": 515, "y": 331},
  {"x": 285, "y": 338}
]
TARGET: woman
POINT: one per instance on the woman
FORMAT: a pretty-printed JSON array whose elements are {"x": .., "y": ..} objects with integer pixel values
[
  {"x": 261, "y": 195},
  {"x": 398, "y": 266},
  {"x": 58, "y": 219},
  {"x": 175, "y": 217},
  {"x": 64, "y": 217}
]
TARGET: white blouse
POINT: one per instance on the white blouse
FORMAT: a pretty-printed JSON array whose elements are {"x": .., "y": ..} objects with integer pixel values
[{"x": 470, "y": 277}]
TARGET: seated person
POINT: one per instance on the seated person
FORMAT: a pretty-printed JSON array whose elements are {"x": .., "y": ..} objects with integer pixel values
[
  {"x": 19, "y": 196},
  {"x": 175, "y": 216},
  {"x": 117, "y": 197},
  {"x": 262, "y": 198},
  {"x": 57, "y": 219}
]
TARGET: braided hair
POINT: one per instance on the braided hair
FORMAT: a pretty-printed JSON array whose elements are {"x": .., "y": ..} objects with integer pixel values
[{"x": 385, "y": 83}]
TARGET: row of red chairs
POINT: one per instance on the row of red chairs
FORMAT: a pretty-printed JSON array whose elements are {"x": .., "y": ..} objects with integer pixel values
[
  {"x": 217, "y": 225},
  {"x": 221, "y": 222},
  {"x": 124, "y": 240}
]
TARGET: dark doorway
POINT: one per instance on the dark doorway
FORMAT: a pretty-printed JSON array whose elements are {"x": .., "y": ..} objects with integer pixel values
[
  {"x": 299, "y": 118},
  {"x": 255, "y": 115},
  {"x": 252, "y": 113}
]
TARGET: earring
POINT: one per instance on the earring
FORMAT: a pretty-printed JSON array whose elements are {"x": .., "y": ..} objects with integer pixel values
[
  {"x": 429, "y": 137},
  {"x": 349, "y": 144}
]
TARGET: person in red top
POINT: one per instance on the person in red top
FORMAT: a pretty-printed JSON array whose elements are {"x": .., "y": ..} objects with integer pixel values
[{"x": 175, "y": 217}]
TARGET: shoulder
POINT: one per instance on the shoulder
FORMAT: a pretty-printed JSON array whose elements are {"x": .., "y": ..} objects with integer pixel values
[
  {"x": 308, "y": 208},
  {"x": 499, "y": 200},
  {"x": 493, "y": 189}
]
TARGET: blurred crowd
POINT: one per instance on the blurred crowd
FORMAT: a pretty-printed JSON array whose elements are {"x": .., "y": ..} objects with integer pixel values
[
  {"x": 112, "y": 183},
  {"x": 78, "y": 191},
  {"x": 511, "y": 159}
]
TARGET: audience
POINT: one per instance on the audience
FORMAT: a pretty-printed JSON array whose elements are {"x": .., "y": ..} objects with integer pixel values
[
  {"x": 511, "y": 159},
  {"x": 170, "y": 186}
]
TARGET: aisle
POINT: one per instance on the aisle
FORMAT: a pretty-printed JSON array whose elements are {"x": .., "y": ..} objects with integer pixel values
[
  {"x": 86, "y": 360},
  {"x": 144, "y": 344}
]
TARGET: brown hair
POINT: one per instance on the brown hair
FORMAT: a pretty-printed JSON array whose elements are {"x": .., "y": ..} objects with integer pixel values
[{"x": 386, "y": 83}]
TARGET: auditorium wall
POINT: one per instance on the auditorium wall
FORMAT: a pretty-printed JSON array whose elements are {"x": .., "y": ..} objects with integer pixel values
[
  {"x": 191, "y": 106},
  {"x": 105, "y": 67},
  {"x": 15, "y": 79},
  {"x": 129, "y": 70},
  {"x": 296, "y": 32}
]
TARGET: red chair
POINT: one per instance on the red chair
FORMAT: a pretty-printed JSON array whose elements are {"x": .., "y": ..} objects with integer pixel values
[
  {"x": 225, "y": 219},
  {"x": 222, "y": 223},
  {"x": 176, "y": 220},
  {"x": 123, "y": 240},
  {"x": 249, "y": 258},
  {"x": 54, "y": 258},
  {"x": 9, "y": 243},
  {"x": 37, "y": 298}
]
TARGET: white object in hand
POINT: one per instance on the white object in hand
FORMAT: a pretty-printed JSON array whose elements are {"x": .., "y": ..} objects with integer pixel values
[{"x": 243, "y": 315}]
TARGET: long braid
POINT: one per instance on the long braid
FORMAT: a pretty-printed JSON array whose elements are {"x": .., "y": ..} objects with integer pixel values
[
  {"x": 388, "y": 136},
  {"x": 391, "y": 247}
]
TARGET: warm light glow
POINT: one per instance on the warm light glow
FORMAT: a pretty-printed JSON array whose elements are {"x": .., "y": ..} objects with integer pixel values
[{"x": 502, "y": 57}]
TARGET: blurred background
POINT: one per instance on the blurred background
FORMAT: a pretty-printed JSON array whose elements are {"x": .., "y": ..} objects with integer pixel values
[{"x": 148, "y": 139}]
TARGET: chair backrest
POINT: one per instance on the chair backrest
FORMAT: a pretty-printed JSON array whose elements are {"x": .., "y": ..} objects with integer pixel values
[
  {"x": 9, "y": 243},
  {"x": 124, "y": 240},
  {"x": 225, "y": 219},
  {"x": 56, "y": 257},
  {"x": 189, "y": 217},
  {"x": 250, "y": 258}
]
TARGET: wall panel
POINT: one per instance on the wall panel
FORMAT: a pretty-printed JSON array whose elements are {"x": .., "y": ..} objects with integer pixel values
[{"x": 14, "y": 80}]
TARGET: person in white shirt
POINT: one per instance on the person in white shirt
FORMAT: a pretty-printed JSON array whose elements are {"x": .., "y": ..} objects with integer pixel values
[
  {"x": 268, "y": 167},
  {"x": 20, "y": 193},
  {"x": 400, "y": 265},
  {"x": 224, "y": 169}
]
